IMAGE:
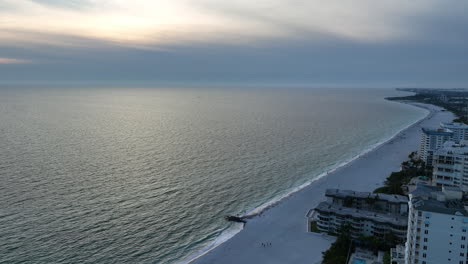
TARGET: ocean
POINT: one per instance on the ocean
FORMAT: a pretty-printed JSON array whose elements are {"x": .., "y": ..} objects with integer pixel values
[{"x": 146, "y": 175}]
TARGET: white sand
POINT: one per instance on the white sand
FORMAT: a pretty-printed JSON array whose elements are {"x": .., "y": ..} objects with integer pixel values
[{"x": 284, "y": 226}]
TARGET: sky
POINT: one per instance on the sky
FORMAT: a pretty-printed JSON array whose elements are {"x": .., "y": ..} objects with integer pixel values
[{"x": 346, "y": 42}]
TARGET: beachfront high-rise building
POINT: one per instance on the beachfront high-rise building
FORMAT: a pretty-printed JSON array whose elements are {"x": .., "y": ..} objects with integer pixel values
[
  {"x": 367, "y": 214},
  {"x": 432, "y": 140},
  {"x": 460, "y": 130},
  {"x": 451, "y": 165},
  {"x": 437, "y": 226}
]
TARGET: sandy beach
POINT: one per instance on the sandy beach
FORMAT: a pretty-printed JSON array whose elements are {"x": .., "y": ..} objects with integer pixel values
[{"x": 283, "y": 227}]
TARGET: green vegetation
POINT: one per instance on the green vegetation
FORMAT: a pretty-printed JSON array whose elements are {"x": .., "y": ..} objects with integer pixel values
[
  {"x": 376, "y": 244},
  {"x": 409, "y": 169},
  {"x": 348, "y": 201},
  {"x": 339, "y": 251},
  {"x": 386, "y": 258},
  {"x": 455, "y": 101}
]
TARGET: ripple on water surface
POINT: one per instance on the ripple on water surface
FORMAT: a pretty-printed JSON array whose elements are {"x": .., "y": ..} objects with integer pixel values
[{"x": 146, "y": 175}]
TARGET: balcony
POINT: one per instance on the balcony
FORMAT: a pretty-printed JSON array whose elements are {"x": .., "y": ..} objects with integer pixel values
[{"x": 444, "y": 173}]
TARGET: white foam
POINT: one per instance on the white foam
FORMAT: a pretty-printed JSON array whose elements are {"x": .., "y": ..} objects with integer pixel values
[{"x": 223, "y": 237}]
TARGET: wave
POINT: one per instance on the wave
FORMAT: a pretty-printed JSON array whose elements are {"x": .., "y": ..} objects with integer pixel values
[
  {"x": 231, "y": 232},
  {"x": 225, "y": 235}
]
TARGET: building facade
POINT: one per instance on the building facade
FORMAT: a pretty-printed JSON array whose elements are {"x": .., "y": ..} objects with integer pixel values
[
  {"x": 437, "y": 226},
  {"x": 397, "y": 255},
  {"x": 431, "y": 141},
  {"x": 460, "y": 130},
  {"x": 451, "y": 165},
  {"x": 367, "y": 214}
]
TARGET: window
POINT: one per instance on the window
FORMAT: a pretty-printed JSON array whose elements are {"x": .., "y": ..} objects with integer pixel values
[
  {"x": 427, "y": 232},
  {"x": 462, "y": 254},
  {"x": 424, "y": 255},
  {"x": 425, "y": 247},
  {"x": 463, "y": 238},
  {"x": 462, "y": 246},
  {"x": 425, "y": 239},
  {"x": 426, "y": 225}
]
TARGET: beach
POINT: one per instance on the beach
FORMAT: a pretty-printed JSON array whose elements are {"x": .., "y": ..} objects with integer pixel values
[{"x": 278, "y": 235}]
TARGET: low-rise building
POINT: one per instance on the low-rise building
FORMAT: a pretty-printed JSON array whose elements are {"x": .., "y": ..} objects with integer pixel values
[
  {"x": 367, "y": 214},
  {"x": 437, "y": 226}
]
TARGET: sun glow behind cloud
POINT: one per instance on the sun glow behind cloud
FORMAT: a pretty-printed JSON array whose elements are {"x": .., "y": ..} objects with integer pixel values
[
  {"x": 125, "y": 22},
  {"x": 151, "y": 23}
]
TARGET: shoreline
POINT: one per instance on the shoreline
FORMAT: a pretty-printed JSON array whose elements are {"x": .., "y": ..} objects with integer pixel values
[
  {"x": 256, "y": 213},
  {"x": 264, "y": 207}
]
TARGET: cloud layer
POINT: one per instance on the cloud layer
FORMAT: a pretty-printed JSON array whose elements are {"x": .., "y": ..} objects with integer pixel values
[
  {"x": 180, "y": 21},
  {"x": 359, "y": 40}
]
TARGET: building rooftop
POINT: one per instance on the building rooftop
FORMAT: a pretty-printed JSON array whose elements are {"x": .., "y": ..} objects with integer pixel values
[
  {"x": 451, "y": 207},
  {"x": 424, "y": 190},
  {"x": 443, "y": 200},
  {"x": 437, "y": 132},
  {"x": 451, "y": 147},
  {"x": 392, "y": 198},
  {"x": 363, "y": 214},
  {"x": 454, "y": 125}
]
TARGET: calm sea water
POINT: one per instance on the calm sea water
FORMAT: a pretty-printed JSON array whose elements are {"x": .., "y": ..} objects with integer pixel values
[{"x": 146, "y": 175}]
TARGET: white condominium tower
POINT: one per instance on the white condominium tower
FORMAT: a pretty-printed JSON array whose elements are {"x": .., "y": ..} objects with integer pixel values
[
  {"x": 431, "y": 140},
  {"x": 437, "y": 226},
  {"x": 451, "y": 165},
  {"x": 460, "y": 131}
]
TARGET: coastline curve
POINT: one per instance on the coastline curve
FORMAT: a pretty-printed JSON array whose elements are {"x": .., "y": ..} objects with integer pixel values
[{"x": 230, "y": 232}]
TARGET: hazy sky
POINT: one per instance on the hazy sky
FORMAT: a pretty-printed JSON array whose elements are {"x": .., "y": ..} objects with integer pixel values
[{"x": 394, "y": 42}]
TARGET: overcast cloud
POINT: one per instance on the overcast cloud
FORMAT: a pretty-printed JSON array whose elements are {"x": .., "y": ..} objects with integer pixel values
[{"x": 384, "y": 43}]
